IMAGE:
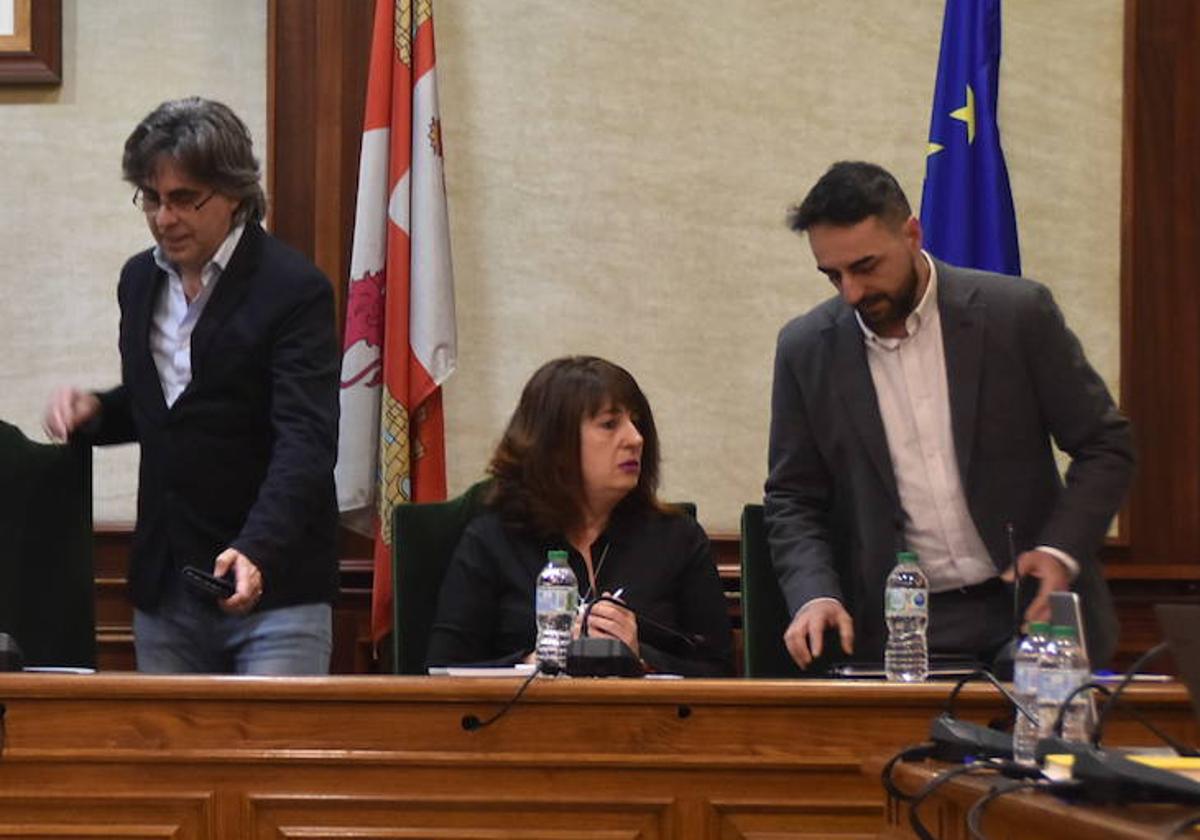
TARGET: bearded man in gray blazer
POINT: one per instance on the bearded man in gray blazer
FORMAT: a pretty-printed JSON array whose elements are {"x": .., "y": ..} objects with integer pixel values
[{"x": 916, "y": 410}]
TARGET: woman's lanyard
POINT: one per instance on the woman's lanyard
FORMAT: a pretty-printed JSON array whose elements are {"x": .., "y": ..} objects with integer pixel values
[{"x": 594, "y": 574}]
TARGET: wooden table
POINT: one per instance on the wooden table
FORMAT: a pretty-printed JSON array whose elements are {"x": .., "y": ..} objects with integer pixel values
[
  {"x": 387, "y": 757},
  {"x": 1020, "y": 815}
]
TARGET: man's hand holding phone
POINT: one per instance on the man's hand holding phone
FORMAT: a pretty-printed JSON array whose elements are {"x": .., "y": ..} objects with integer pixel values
[{"x": 235, "y": 582}]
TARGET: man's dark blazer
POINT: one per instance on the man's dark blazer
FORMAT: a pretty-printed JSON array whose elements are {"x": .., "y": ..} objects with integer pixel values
[
  {"x": 245, "y": 456},
  {"x": 1016, "y": 377}
]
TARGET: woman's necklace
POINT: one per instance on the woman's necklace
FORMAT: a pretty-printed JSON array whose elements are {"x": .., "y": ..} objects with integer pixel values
[{"x": 594, "y": 574}]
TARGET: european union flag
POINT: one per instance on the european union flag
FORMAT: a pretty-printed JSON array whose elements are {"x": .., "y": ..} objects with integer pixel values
[{"x": 966, "y": 206}]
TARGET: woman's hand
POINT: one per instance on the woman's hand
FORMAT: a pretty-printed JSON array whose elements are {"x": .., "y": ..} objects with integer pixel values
[{"x": 615, "y": 622}]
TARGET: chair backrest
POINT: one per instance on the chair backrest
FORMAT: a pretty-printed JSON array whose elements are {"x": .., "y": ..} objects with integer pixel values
[
  {"x": 47, "y": 590},
  {"x": 423, "y": 540},
  {"x": 764, "y": 611},
  {"x": 688, "y": 508}
]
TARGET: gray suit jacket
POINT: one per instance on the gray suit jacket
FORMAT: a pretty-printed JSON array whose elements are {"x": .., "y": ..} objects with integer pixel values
[{"x": 1017, "y": 378}]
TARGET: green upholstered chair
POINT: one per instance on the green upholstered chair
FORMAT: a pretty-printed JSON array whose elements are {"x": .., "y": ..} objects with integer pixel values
[
  {"x": 423, "y": 541},
  {"x": 47, "y": 600},
  {"x": 764, "y": 611}
]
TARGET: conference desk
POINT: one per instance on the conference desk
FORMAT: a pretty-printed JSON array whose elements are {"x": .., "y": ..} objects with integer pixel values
[
  {"x": 123, "y": 755},
  {"x": 1023, "y": 814}
]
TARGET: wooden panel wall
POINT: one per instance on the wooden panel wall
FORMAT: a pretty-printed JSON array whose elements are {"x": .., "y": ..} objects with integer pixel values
[
  {"x": 1160, "y": 329},
  {"x": 316, "y": 79}
]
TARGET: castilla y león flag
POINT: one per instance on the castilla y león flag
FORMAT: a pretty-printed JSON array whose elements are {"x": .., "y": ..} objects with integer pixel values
[{"x": 399, "y": 345}]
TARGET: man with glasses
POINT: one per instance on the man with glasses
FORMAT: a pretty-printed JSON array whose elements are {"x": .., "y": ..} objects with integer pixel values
[{"x": 229, "y": 382}]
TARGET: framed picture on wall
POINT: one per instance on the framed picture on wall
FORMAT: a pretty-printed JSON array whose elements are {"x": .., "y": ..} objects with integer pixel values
[{"x": 30, "y": 42}]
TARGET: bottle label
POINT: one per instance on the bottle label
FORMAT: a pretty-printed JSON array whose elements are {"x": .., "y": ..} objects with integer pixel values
[
  {"x": 1075, "y": 678},
  {"x": 1054, "y": 684},
  {"x": 906, "y": 602},
  {"x": 556, "y": 599}
]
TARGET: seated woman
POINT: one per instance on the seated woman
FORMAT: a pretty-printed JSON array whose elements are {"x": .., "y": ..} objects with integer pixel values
[{"x": 577, "y": 470}]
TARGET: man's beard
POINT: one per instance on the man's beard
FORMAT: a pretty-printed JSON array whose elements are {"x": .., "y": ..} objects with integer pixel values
[{"x": 899, "y": 305}]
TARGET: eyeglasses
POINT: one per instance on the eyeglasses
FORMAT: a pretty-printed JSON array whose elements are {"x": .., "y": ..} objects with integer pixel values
[{"x": 180, "y": 202}]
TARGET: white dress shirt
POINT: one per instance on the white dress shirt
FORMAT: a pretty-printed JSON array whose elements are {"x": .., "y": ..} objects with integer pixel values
[
  {"x": 909, "y": 375},
  {"x": 174, "y": 317}
]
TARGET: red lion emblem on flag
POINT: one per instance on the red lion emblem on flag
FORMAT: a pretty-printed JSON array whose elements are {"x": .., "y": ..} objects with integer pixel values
[{"x": 364, "y": 323}]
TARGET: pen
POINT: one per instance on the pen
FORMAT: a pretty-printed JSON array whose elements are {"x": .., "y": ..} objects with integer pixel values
[{"x": 618, "y": 593}]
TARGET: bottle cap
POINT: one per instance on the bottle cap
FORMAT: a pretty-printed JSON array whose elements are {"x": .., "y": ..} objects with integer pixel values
[
  {"x": 556, "y": 555},
  {"x": 906, "y": 557},
  {"x": 1039, "y": 628},
  {"x": 1063, "y": 631}
]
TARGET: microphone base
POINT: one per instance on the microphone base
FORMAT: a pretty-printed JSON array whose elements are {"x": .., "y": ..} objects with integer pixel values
[{"x": 597, "y": 657}]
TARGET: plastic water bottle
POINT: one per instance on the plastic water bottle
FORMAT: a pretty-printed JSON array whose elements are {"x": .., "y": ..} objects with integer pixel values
[
  {"x": 1077, "y": 720},
  {"x": 906, "y": 610},
  {"x": 1062, "y": 667},
  {"x": 555, "y": 604},
  {"x": 1025, "y": 690}
]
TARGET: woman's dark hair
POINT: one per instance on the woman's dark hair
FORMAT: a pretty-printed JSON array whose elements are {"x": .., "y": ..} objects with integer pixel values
[
  {"x": 538, "y": 484},
  {"x": 208, "y": 141}
]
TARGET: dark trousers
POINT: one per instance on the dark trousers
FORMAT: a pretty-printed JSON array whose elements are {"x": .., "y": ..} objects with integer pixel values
[{"x": 976, "y": 621}]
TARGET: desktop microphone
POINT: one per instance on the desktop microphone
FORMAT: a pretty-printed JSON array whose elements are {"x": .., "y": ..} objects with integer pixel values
[
  {"x": 1110, "y": 778},
  {"x": 591, "y": 656}
]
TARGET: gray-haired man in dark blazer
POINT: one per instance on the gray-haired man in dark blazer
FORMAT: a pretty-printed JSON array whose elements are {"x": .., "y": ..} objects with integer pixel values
[
  {"x": 229, "y": 384},
  {"x": 916, "y": 409}
]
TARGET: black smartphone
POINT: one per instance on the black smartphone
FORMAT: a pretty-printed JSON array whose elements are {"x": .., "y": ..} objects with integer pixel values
[{"x": 202, "y": 583}]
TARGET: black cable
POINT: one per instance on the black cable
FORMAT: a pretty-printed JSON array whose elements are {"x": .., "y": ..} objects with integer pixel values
[
  {"x": 1186, "y": 823},
  {"x": 929, "y": 749},
  {"x": 975, "y": 812},
  {"x": 1112, "y": 699},
  {"x": 1130, "y": 673},
  {"x": 916, "y": 752},
  {"x": 1060, "y": 718},
  {"x": 936, "y": 782},
  {"x": 990, "y": 677},
  {"x": 472, "y": 723}
]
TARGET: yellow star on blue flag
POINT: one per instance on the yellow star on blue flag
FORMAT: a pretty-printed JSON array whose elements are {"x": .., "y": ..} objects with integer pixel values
[
  {"x": 967, "y": 114},
  {"x": 967, "y": 209}
]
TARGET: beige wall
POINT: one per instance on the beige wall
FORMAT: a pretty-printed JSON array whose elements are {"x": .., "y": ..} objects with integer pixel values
[
  {"x": 618, "y": 174},
  {"x": 67, "y": 221}
]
